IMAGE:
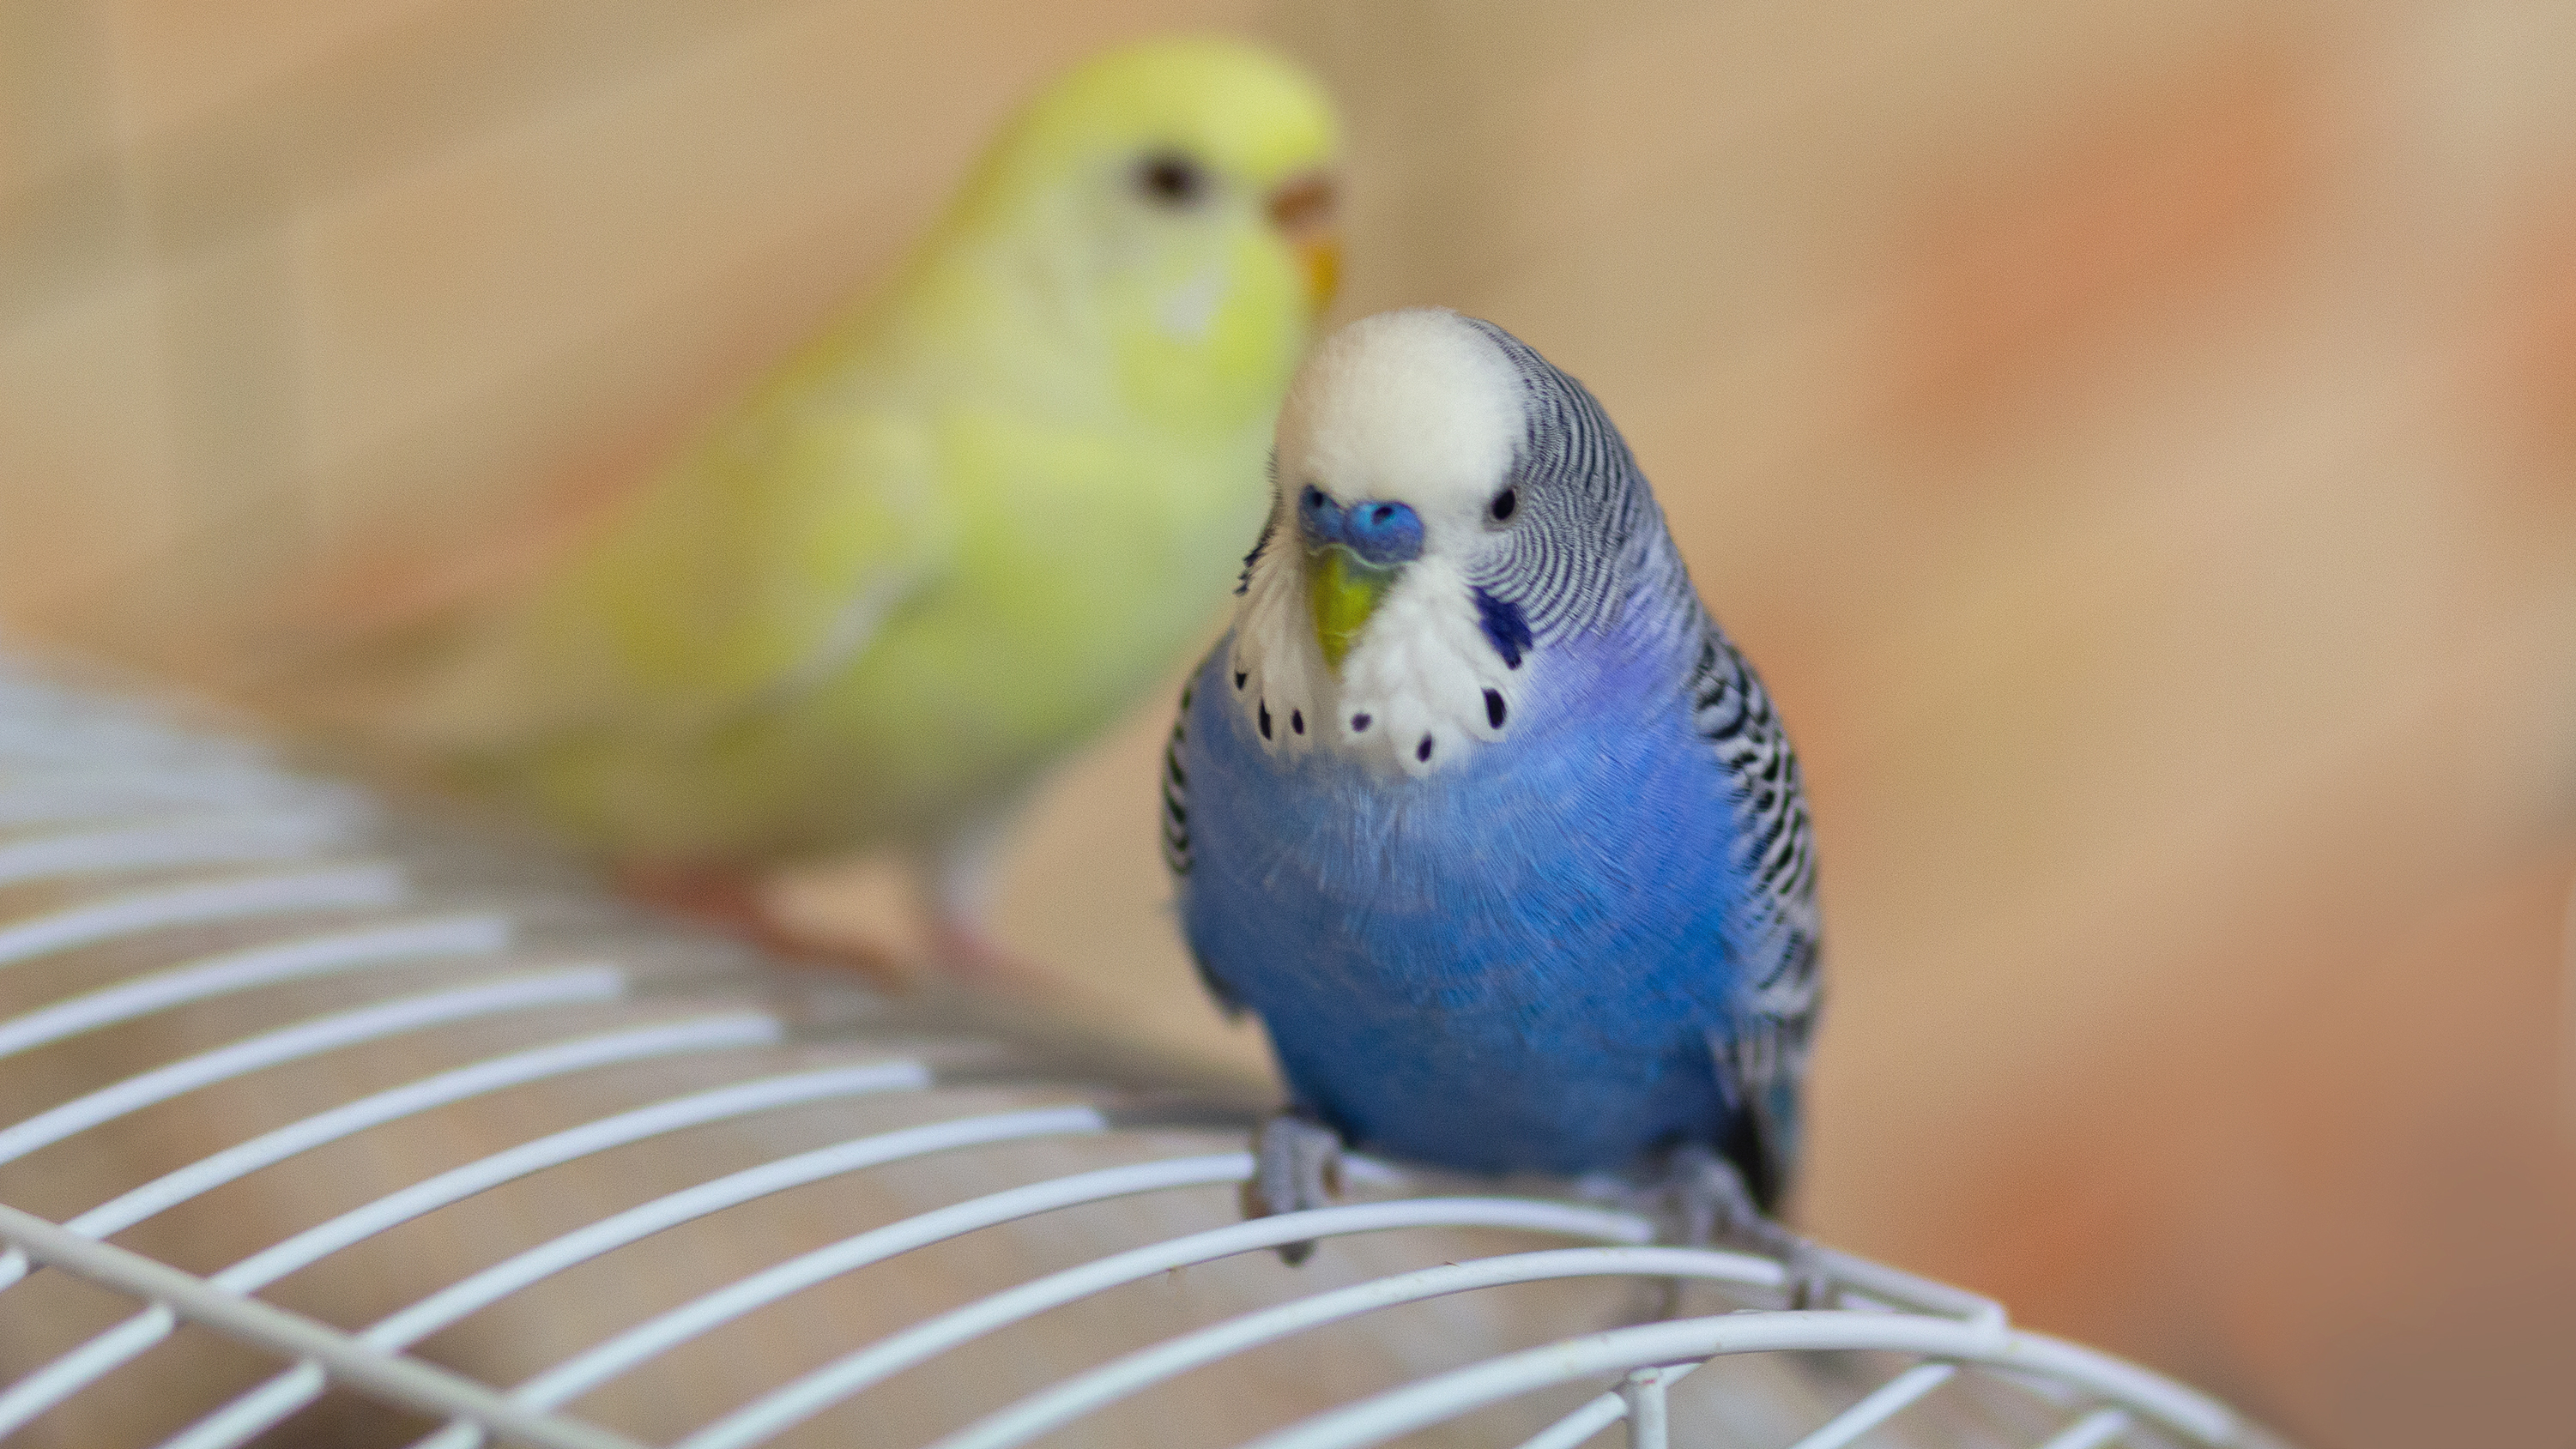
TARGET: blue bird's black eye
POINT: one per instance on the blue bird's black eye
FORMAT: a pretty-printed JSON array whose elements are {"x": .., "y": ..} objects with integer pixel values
[
  {"x": 1171, "y": 180},
  {"x": 1505, "y": 504}
]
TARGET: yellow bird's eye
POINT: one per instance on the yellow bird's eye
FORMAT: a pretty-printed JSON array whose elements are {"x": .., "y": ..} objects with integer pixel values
[{"x": 1172, "y": 181}]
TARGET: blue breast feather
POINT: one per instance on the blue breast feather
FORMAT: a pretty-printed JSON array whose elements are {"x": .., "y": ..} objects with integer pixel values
[{"x": 1515, "y": 963}]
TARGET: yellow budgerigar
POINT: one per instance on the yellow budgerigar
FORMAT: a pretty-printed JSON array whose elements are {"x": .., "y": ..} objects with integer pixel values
[{"x": 961, "y": 529}]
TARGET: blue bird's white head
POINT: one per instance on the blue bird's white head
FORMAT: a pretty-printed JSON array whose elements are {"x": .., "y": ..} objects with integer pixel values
[{"x": 1449, "y": 508}]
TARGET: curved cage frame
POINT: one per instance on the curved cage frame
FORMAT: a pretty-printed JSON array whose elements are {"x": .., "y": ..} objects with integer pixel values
[{"x": 145, "y": 821}]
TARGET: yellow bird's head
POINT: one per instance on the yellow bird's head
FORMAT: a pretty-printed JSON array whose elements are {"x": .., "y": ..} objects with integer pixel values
[{"x": 1176, "y": 201}]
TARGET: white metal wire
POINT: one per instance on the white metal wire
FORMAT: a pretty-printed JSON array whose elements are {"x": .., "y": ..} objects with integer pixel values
[
  {"x": 63, "y": 796},
  {"x": 92, "y": 792},
  {"x": 409, "y": 941},
  {"x": 201, "y": 903},
  {"x": 30, "y": 735},
  {"x": 715, "y": 1033},
  {"x": 233, "y": 837},
  {"x": 2093, "y": 1430},
  {"x": 310, "y": 1038},
  {"x": 630, "y": 1350},
  {"x": 1606, "y": 1410},
  {"x": 1044, "y": 1413},
  {"x": 42, "y": 1390},
  {"x": 1647, "y": 1407},
  {"x": 1882, "y": 1404},
  {"x": 766, "y": 1417},
  {"x": 49, "y": 1386},
  {"x": 1416, "y": 1406},
  {"x": 277, "y": 1399},
  {"x": 405, "y": 1381}
]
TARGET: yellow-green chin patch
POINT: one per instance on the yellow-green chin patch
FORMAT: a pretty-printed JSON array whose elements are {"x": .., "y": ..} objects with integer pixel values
[{"x": 1342, "y": 590}]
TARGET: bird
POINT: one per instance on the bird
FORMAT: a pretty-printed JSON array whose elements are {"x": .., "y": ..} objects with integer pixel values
[
  {"x": 969, "y": 523},
  {"x": 1480, "y": 813}
]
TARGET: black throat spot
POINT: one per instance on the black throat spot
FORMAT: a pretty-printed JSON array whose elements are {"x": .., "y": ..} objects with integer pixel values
[{"x": 1505, "y": 627}]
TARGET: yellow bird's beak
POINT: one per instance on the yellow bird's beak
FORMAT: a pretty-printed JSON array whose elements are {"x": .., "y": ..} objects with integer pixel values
[
  {"x": 1342, "y": 591},
  {"x": 1303, "y": 209}
]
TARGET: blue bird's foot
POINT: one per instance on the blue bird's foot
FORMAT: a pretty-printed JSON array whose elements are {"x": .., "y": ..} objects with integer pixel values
[
  {"x": 1703, "y": 1202},
  {"x": 1296, "y": 1166}
]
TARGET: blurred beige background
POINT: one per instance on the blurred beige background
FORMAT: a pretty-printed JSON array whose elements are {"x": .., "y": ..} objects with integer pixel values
[{"x": 2136, "y": 440}]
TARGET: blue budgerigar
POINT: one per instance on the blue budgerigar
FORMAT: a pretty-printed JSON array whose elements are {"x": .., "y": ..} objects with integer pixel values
[{"x": 1480, "y": 813}]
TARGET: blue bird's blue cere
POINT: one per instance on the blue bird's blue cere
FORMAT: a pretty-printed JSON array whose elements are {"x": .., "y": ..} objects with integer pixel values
[
  {"x": 1580, "y": 934},
  {"x": 1381, "y": 533}
]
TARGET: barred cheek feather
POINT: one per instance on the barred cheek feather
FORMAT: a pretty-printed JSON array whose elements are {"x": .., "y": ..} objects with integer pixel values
[{"x": 1421, "y": 689}]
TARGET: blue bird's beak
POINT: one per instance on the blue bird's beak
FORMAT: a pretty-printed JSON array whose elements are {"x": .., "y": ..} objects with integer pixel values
[{"x": 1353, "y": 556}]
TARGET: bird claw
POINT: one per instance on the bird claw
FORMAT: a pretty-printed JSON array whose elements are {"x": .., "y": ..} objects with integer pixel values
[
  {"x": 1296, "y": 1166},
  {"x": 1704, "y": 1202}
]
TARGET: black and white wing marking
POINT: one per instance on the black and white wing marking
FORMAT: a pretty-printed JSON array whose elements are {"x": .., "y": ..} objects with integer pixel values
[
  {"x": 1176, "y": 833},
  {"x": 1775, "y": 931},
  {"x": 1176, "y": 792}
]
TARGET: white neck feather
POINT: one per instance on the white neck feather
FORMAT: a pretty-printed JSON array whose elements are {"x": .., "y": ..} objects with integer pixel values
[{"x": 1419, "y": 672}]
